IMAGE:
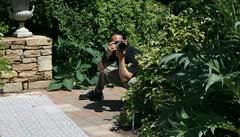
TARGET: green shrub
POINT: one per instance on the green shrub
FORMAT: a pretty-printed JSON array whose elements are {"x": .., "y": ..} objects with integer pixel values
[
  {"x": 91, "y": 22},
  {"x": 198, "y": 95},
  {"x": 75, "y": 65},
  {"x": 89, "y": 27}
]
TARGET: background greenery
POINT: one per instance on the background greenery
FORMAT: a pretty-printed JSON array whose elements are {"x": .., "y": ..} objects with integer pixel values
[{"x": 188, "y": 82}]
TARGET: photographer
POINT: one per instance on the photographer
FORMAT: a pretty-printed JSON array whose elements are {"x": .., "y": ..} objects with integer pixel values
[{"x": 118, "y": 50}]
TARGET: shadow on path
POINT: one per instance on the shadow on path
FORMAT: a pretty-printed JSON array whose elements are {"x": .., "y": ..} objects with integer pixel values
[{"x": 105, "y": 105}]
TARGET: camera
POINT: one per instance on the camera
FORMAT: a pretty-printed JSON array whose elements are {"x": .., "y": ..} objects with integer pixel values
[{"x": 121, "y": 46}]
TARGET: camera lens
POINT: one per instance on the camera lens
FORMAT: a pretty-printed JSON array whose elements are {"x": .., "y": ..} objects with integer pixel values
[{"x": 122, "y": 46}]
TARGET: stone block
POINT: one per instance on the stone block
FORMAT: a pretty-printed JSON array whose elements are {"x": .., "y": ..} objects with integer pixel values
[
  {"x": 17, "y": 47},
  {"x": 16, "y": 52},
  {"x": 36, "y": 78},
  {"x": 18, "y": 41},
  {"x": 39, "y": 84},
  {"x": 44, "y": 63},
  {"x": 25, "y": 74},
  {"x": 2, "y": 52},
  {"x": 35, "y": 69},
  {"x": 47, "y": 47},
  {"x": 29, "y": 60},
  {"x": 7, "y": 41},
  {"x": 31, "y": 53},
  {"x": 40, "y": 73},
  {"x": 13, "y": 87},
  {"x": 19, "y": 79},
  {"x": 33, "y": 47},
  {"x": 38, "y": 40},
  {"x": 21, "y": 67},
  {"x": 5, "y": 80},
  {"x": 46, "y": 52},
  {"x": 48, "y": 75},
  {"x": 13, "y": 57}
]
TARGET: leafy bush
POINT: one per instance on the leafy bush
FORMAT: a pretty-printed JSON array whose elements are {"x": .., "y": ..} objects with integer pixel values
[
  {"x": 75, "y": 65},
  {"x": 90, "y": 31},
  {"x": 198, "y": 95},
  {"x": 91, "y": 22}
]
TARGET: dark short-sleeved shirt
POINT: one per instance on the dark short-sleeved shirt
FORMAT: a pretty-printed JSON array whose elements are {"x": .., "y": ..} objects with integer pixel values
[{"x": 130, "y": 60}]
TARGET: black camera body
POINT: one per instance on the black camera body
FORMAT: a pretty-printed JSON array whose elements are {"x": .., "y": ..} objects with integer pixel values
[{"x": 121, "y": 46}]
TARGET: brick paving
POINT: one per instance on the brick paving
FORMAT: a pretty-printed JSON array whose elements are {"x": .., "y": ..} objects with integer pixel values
[{"x": 95, "y": 118}]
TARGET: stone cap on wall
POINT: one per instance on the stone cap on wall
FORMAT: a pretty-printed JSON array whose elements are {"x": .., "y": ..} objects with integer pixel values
[{"x": 35, "y": 40}]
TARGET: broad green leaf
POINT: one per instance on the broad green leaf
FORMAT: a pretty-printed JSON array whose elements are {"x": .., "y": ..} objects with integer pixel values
[
  {"x": 93, "y": 80},
  {"x": 70, "y": 60},
  {"x": 80, "y": 77},
  {"x": 54, "y": 85},
  {"x": 213, "y": 65},
  {"x": 213, "y": 78},
  {"x": 91, "y": 51},
  {"x": 60, "y": 76},
  {"x": 83, "y": 87},
  {"x": 84, "y": 67},
  {"x": 174, "y": 124},
  {"x": 237, "y": 24},
  {"x": 79, "y": 63},
  {"x": 55, "y": 68},
  {"x": 168, "y": 58},
  {"x": 184, "y": 115},
  {"x": 96, "y": 60},
  {"x": 68, "y": 83}
]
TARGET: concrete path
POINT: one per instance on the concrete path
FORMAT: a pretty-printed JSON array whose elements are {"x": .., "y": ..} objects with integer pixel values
[{"x": 35, "y": 116}]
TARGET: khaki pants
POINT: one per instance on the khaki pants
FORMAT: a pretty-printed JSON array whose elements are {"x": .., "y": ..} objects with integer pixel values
[{"x": 111, "y": 75}]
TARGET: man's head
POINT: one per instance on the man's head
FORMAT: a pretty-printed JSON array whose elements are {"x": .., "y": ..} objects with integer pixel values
[{"x": 118, "y": 36}]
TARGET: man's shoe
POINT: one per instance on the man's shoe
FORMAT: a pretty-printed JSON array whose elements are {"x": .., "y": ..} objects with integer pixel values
[{"x": 92, "y": 95}]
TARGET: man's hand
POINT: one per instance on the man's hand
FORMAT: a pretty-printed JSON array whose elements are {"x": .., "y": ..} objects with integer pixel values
[
  {"x": 111, "y": 48},
  {"x": 120, "y": 54}
]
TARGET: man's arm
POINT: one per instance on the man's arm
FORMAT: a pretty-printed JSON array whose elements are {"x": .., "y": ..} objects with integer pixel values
[
  {"x": 124, "y": 74},
  {"x": 103, "y": 63},
  {"x": 101, "y": 66}
]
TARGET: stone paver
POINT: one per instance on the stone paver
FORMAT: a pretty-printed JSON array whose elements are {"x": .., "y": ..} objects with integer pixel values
[{"x": 95, "y": 118}]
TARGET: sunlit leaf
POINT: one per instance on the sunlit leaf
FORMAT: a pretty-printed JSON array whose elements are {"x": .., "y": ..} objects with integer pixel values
[{"x": 68, "y": 83}]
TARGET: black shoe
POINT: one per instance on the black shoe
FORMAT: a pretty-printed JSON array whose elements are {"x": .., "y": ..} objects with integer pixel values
[{"x": 92, "y": 95}]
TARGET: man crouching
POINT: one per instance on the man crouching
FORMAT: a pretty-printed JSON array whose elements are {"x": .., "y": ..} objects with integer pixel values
[{"x": 120, "y": 51}]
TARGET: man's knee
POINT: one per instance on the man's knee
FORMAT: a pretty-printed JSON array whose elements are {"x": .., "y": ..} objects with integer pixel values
[
  {"x": 132, "y": 81},
  {"x": 107, "y": 70},
  {"x": 129, "y": 83}
]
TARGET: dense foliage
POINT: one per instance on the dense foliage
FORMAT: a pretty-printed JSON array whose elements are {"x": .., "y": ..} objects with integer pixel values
[
  {"x": 83, "y": 27},
  {"x": 198, "y": 96}
]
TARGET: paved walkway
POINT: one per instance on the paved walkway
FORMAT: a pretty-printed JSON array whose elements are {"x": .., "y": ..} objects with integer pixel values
[
  {"x": 95, "y": 118},
  {"x": 35, "y": 116}
]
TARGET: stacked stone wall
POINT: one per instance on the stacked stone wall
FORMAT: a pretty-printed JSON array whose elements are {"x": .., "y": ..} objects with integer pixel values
[{"x": 31, "y": 63}]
